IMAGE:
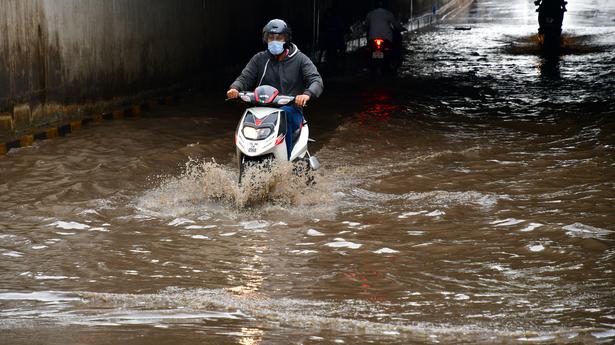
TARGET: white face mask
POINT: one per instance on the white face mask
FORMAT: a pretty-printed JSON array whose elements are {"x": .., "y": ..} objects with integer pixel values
[{"x": 276, "y": 47}]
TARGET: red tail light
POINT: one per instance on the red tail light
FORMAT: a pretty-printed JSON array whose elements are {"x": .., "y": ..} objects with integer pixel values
[{"x": 378, "y": 42}]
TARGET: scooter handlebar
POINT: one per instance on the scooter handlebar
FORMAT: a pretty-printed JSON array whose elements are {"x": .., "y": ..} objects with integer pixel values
[{"x": 249, "y": 97}]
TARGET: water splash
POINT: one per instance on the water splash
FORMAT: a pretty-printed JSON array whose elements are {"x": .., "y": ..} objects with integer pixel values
[{"x": 206, "y": 186}]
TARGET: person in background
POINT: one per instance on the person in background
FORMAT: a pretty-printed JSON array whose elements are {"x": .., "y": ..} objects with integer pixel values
[{"x": 381, "y": 23}]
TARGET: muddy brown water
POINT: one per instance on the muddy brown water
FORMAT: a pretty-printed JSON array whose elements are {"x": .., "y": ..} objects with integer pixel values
[{"x": 470, "y": 200}]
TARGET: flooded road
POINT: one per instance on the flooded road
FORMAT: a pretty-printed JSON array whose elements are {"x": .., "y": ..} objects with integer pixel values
[{"x": 469, "y": 201}]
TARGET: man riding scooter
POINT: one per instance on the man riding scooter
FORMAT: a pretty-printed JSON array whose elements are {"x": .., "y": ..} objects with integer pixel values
[{"x": 284, "y": 67}]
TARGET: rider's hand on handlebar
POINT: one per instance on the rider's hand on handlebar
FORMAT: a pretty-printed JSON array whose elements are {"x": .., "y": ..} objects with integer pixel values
[
  {"x": 301, "y": 100},
  {"x": 232, "y": 93}
]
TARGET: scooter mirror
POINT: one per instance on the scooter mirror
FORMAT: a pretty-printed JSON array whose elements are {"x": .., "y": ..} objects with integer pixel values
[{"x": 314, "y": 163}]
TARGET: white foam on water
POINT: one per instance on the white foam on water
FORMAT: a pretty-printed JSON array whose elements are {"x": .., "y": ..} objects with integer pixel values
[
  {"x": 497, "y": 267},
  {"x": 507, "y": 222},
  {"x": 204, "y": 217},
  {"x": 181, "y": 221},
  {"x": 502, "y": 162},
  {"x": 254, "y": 224},
  {"x": 200, "y": 237},
  {"x": 386, "y": 250},
  {"x": 200, "y": 227},
  {"x": 435, "y": 213},
  {"x": 605, "y": 334},
  {"x": 536, "y": 247},
  {"x": 531, "y": 227},
  {"x": 89, "y": 211},
  {"x": 140, "y": 251},
  {"x": 45, "y": 277},
  {"x": 313, "y": 232},
  {"x": 13, "y": 254},
  {"x": 101, "y": 229},
  {"x": 461, "y": 297},
  {"x": 227, "y": 234},
  {"x": 410, "y": 214},
  {"x": 305, "y": 251},
  {"x": 69, "y": 225},
  {"x": 342, "y": 243},
  {"x": 41, "y": 296},
  {"x": 537, "y": 339},
  {"x": 152, "y": 318},
  {"x": 586, "y": 231}
]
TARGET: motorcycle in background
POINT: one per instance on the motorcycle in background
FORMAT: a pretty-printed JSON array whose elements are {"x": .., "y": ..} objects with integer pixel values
[
  {"x": 550, "y": 18},
  {"x": 384, "y": 57}
]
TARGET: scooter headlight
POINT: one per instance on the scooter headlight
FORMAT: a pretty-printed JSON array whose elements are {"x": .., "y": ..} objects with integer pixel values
[{"x": 256, "y": 133}]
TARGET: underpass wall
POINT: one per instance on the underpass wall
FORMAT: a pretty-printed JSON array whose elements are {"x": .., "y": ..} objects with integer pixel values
[{"x": 59, "y": 59}]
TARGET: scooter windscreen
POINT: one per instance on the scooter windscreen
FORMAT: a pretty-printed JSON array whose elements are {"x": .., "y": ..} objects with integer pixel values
[
  {"x": 255, "y": 128},
  {"x": 266, "y": 94}
]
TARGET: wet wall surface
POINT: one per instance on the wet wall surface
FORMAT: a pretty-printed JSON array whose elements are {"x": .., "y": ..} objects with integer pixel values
[
  {"x": 467, "y": 201},
  {"x": 72, "y": 52}
]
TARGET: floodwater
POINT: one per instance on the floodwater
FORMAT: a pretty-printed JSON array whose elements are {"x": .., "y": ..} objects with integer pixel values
[{"x": 471, "y": 200}]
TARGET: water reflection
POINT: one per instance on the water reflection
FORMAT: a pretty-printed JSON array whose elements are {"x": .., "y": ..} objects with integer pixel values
[
  {"x": 379, "y": 107},
  {"x": 251, "y": 336},
  {"x": 250, "y": 275},
  {"x": 549, "y": 67}
]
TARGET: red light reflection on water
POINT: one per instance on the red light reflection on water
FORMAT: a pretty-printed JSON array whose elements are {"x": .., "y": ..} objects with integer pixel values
[{"x": 378, "y": 109}]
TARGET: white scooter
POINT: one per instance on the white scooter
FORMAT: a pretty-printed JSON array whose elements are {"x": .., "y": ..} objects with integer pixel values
[{"x": 261, "y": 133}]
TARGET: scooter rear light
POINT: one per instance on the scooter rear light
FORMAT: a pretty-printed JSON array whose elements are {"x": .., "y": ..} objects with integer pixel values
[{"x": 378, "y": 42}]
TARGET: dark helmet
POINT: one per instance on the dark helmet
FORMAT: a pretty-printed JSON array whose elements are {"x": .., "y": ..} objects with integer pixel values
[{"x": 277, "y": 26}]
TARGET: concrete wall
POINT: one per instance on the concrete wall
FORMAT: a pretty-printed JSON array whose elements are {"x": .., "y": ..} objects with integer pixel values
[{"x": 59, "y": 52}]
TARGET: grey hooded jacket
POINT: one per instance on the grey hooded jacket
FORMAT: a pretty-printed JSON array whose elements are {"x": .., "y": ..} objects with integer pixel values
[{"x": 294, "y": 75}]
